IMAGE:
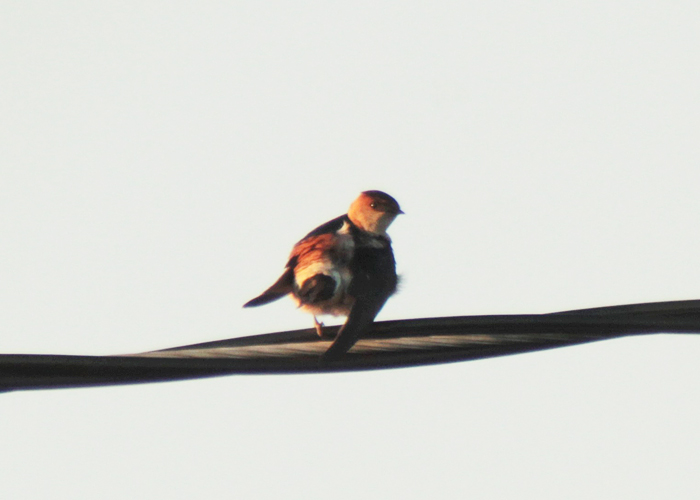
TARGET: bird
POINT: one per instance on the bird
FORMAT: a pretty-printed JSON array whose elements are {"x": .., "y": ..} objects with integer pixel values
[{"x": 344, "y": 267}]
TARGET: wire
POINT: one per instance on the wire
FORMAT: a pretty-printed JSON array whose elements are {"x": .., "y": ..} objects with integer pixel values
[{"x": 390, "y": 344}]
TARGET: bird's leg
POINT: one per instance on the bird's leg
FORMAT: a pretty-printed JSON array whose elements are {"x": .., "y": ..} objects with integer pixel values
[{"x": 319, "y": 327}]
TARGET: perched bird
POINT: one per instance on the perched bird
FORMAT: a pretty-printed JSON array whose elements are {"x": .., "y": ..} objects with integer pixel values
[{"x": 344, "y": 267}]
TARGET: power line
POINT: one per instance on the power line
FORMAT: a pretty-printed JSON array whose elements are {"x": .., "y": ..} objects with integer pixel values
[{"x": 390, "y": 344}]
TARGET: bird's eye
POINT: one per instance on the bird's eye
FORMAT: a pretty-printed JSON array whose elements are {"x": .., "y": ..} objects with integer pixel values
[{"x": 373, "y": 205}]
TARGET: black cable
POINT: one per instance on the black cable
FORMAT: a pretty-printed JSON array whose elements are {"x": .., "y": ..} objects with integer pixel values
[{"x": 390, "y": 344}]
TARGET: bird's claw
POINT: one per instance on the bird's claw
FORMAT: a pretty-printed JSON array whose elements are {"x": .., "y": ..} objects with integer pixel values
[{"x": 319, "y": 328}]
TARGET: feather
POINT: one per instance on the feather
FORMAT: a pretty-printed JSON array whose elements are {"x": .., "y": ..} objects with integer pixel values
[{"x": 281, "y": 287}]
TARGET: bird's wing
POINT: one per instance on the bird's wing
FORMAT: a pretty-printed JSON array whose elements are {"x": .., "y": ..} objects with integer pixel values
[
  {"x": 281, "y": 287},
  {"x": 331, "y": 226},
  {"x": 285, "y": 284}
]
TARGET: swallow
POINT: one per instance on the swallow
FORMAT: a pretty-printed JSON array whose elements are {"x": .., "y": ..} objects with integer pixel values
[{"x": 344, "y": 267}]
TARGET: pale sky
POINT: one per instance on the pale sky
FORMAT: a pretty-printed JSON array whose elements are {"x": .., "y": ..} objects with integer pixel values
[{"x": 159, "y": 159}]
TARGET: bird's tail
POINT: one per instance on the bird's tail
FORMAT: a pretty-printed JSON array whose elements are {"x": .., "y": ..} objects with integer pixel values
[
  {"x": 281, "y": 287},
  {"x": 361, "y": 317}
]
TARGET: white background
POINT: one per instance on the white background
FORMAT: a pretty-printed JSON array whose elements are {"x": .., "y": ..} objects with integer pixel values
[{"x": 159, "y": 159}]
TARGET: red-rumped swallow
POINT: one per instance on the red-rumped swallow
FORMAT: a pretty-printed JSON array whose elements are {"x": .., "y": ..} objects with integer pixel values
[{"x": 344, "y": 267}]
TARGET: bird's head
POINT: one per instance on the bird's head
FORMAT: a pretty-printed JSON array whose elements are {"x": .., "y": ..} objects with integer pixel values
[{"x": 374, "y": 211}]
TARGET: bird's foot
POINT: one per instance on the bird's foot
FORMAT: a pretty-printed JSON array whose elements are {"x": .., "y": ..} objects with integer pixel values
[{"x": 319, "y": 328}]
